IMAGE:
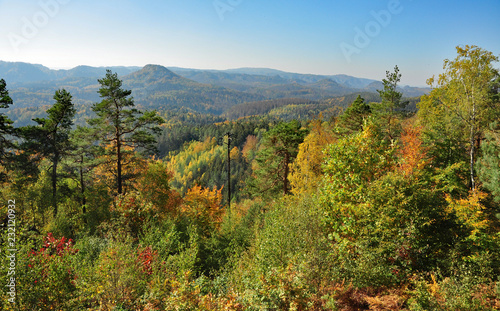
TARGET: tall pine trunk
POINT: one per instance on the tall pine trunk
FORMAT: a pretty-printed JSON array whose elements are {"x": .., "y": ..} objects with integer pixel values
[
  {"x": 54, "y": 184},
  {"x": 82, "y": 187},
  {"x": 119, "y": 166}
]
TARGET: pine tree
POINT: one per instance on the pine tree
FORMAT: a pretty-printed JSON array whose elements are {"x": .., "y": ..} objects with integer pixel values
[
  {"x": 118, "y": 125},
  {"x": 6, "y": 128},
  {"x": 50, "y": 138},
  {"x": 354, "y": 116},
  {"x": 278, "y": 150},
  {"x": 392, "y": 103}
]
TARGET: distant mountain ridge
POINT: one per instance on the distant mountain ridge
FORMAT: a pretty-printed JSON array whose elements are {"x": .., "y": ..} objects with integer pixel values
[
  {"x": 348, "y": 81},
  {"x": 162, "y": 88},
  {"x": 19, "y": 72},
  {"x": 156, "y": 86}
]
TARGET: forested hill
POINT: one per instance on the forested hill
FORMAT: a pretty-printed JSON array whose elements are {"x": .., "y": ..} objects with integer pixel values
[
  {"x": 17, "y": 72},
  {"x": 156, "y": 86}
]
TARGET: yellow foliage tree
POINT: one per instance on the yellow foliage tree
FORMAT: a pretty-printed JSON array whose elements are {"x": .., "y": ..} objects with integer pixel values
[
  {"x": 470, "y": 212},
  {"x": 204, "y": 206},
  {"x": 306, "y": 172},
  {"x": 235, "y": 153}
]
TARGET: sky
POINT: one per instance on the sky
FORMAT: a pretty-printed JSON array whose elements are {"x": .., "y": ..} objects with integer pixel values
[{"x": 362, "y": 38}]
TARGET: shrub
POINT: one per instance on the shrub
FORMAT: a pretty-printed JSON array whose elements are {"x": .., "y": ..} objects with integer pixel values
[
  {"x": 287, "y": 265},
  {"x": 47, "y": 277},
  {"x": 119, "y": 277}
]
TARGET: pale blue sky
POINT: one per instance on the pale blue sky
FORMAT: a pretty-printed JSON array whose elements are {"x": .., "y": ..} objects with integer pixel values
[{"x": 315, "y": 36}]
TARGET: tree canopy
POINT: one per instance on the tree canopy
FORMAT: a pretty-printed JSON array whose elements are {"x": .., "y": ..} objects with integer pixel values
[{"x": 463, "y": 98}]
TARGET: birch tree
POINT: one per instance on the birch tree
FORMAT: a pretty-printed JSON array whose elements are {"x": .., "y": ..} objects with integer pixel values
[{"x": 462, "y": 92}]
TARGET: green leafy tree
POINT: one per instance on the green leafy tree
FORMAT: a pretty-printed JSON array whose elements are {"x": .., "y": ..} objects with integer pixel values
[
  {"x": 6, "y": 128},
  {"x": 277, "y": 152},
  {"x": 50, "y": 138},
  {"x": 385, "y": 220},
  {"x": 463, "y": 94},
  {"x": 119, "y": 125}
]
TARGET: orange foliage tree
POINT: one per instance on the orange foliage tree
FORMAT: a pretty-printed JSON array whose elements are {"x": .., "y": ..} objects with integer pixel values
[
  {"x": 250, "y": 147},
  {"x": 153, "y": 186},
  {"x": 412, "y": 152}
]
